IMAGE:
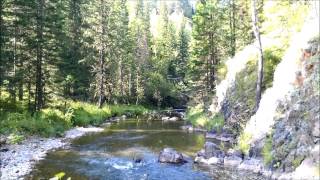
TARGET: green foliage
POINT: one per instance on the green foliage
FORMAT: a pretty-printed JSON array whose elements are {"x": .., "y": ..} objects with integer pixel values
[
  {"x": 55, "y": 120},
  {"x": 198, "y": 117},
  {"x": 272, "y": 57},
  {"x": 216, "y": 122},
  {"x": 243, "y": 143},
  {"x": 266, "y": 151}
]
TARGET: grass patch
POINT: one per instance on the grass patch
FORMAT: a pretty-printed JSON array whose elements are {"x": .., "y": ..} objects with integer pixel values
[{"x": 59, "y": 117}]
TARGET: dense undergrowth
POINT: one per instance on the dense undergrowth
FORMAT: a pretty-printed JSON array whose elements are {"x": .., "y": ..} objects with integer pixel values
[{"x": 16, "y": 120}]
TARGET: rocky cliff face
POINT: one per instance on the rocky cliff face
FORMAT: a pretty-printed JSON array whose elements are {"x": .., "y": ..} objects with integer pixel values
[{"x": 295, "y": 136}]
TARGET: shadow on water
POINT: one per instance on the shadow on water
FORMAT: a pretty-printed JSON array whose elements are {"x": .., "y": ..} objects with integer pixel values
[{"x": 127, "y": 150}]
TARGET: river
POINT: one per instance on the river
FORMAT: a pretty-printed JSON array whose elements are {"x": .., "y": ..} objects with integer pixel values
[{"x": 129, "y": 150}]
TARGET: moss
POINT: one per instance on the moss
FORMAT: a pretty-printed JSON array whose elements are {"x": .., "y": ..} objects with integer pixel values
[
  {"x": 297, "y": 161},
  {"x": 266, "y": 151}
]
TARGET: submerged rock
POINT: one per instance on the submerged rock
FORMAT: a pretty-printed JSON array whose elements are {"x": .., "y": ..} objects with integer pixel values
[{"x": 169, "y": 155}]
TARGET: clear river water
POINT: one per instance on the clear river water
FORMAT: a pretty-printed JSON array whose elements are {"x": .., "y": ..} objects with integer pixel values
[{"x": 129, "y": 150}]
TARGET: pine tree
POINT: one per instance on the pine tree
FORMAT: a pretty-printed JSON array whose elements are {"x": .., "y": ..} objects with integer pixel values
[
  {"x": 207, "y": 41},
  {"x": 183, "y": 53}
]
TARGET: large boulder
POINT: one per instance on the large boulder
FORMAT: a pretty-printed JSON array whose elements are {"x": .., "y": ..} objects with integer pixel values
[{"x": 169, "y": 155}]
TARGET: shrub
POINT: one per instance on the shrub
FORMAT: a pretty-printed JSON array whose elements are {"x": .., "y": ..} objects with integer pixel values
[{"x": 244, "y": 143}]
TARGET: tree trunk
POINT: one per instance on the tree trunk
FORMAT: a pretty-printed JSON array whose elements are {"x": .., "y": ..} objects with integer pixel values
[
  {"x": 260, "y": 60},
  {"x": 137, "y": 86},
  {"x": 232, "y": 28},
  {"x": 121, "y": 80},
  {"x": 101, "y": 56},
  {"x": 29, "y": 95},
  {"x": 1, "y": 41},
  {"x": 39, "y": 75}
]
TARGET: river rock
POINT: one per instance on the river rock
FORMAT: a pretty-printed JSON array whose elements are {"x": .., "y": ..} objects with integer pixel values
[
  {"x": 169, "y": 155},
  {"x": 200, "y": 153},
  {"x": 221, "y": 137},
  {"x": 215, "y": 160},
  {"x": 212, "y": 150},
  {"x": 232, "y": 160},
  {"x": 165, "y": 118},
  {"x": 123, "y": 117},
  {"x": 3, "y": 140},
  {"x": 174, "y": 119},
  {"x": 210, "y": 161}
]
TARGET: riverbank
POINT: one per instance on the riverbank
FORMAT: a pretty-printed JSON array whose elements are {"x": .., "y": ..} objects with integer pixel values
[{"x": 17, "y": 160}]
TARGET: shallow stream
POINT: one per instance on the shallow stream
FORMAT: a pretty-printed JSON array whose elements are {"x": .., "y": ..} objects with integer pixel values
[{"x": 129, "y": 150}]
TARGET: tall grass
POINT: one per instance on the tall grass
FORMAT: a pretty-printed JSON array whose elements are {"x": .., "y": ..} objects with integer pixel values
[{"x": 58, "y": 117}]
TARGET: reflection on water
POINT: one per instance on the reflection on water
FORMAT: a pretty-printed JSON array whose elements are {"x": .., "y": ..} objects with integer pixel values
[{"x": 129, "y": 150}]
